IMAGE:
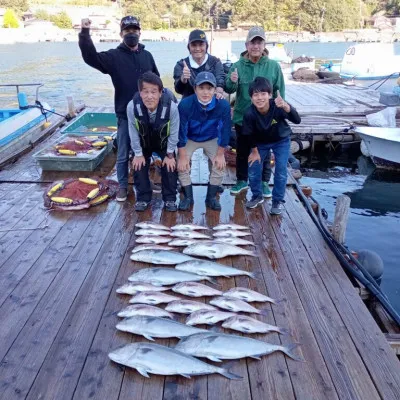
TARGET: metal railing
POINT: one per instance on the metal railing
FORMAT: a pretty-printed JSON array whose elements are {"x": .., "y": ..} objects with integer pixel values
[{"x": 18, "y": 85}]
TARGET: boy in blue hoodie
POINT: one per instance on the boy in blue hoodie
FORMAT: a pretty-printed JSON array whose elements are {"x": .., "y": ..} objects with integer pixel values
[
  {"x": 205, "y": 123},
  {"x": 265, "y": 124}
]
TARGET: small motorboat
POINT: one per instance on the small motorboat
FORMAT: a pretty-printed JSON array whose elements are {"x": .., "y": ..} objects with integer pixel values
[
  {"x": 20, "y": 127},
  {"x": 383, "y": 145}
]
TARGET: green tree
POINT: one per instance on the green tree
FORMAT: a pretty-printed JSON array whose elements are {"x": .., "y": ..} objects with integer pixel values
[
  {"x": 10, "y": 19},
  {"x": 42, "y": 15},
  {"x": 62, "y": 20},
  {"x": 19, "y": 6}
]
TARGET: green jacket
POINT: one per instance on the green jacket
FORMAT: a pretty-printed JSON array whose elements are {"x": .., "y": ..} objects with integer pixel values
[{"x": 247, "y": 71}]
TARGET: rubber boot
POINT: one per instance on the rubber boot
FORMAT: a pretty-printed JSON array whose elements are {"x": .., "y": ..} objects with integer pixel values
[
  {"x": 187, "y": 200},
  {"x": 211, "y": 199}
]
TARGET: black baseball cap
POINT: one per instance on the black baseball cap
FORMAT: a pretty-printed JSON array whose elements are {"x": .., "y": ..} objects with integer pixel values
[
  {"x": 197, "y": 36},
  {"x": 205, "y": 77},
  {"x": 129, "y": 21}
]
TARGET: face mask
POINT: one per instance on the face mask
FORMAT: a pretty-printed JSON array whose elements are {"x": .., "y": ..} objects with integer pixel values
[
  {"x": 131, "y": 39},
  {"x": 204, "y": 103}
]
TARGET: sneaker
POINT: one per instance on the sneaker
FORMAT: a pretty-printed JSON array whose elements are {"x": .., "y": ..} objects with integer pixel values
[
  {"x": 141, "y": 205},
  {"x": 122, "y": 194},
  {"x": 155, "y": 187},
  {"x": 266, "y": 191},
  {"x": 239, "y": 187},
  {"x": 276, "y": 208},
  {"x": 253, "y": 203},
  {"x": 170, "y": 206}
]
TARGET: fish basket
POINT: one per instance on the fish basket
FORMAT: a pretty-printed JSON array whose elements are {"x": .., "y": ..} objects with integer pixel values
[{"x": 92, "y": 123}]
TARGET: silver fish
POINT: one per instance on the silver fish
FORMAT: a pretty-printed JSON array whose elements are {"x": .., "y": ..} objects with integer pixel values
[
  {"x": 150, "y": 246},
  {"x": 221, "y": 234},
  {"x": 245, "y": 324},
  {"x": 211, "y": 268},
  {"x": 187, "y": 306},
  {"x": 133, "y": 288},
  {"x": 219, "y": 346},
  {"x": 190, "y": 235},
  {"x": 208, "y": 317},
  {"x": 161, "y": 360},
  {"x": 153, "y": 239},
  {"x": 235, "y": 305},
  {"x": 151, "y": 232},
  {"x": 226, "y": 227},
  {"x": 152, "y": 298},
  {"x": 144, "y": 309},
  {"x": 165, "y": 276},
  {"x": 236, "y": 241},
  {"x": 156, "y": 327},
  {"x": 214, "y": 250},
  {"x": 182, "y": 242},
  {"x": 151, "y": 225},
  {"x": 195, "y": 289},
  {"x": 248, "y": 295},
  {"x": 188, "y": 227},
  {"x": 160, "y": 257}
]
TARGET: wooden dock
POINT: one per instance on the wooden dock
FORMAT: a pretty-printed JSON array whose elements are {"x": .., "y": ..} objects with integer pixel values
[{"x": 59, "y": 272}]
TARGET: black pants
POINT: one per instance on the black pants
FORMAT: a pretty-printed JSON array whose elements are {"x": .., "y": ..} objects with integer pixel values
[
  {"x": 169, "y": 181},
  {"x": 243, "y": 149}
]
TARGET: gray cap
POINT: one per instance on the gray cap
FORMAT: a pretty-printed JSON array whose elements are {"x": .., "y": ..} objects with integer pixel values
[
  {"x": 205, "y": 77},
  {"x": 255, "y": 31}
]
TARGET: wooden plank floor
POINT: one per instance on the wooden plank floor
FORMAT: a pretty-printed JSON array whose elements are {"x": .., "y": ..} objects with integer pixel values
[{"x": 58, "y": 305}]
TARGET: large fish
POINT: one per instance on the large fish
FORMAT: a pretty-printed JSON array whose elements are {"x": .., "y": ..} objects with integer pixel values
[
  {"x": 166, "y": 276},
  {"x": 153, "y": 239},
  {"x": 151, "y": 232},
  {"x": 187, "y": 306},
  {"x": 156, "y": 327},
  {"x": 182, "y": 242},
  {"x": 151, "y": 225},
  {"x": 133, "y": 288},
  {"x": 164, "y": 257},
  {"x": 245, "y": 324},
  {"x": 150, "y": 358},
  {"x": 208, "y": 317},
  {"x": 211, "y": 268},
  {"x": 195, "y": 289},
  {"x": 188, "y": 227},
  {"x": 248, "y": 295},
  {"x": 190, "y": 235},
  {"x": 214, "y": 250},
  {"x": 221, "y": 234},
  {"x": 150, "y": 246},
  {"x": 227, "y": 227},
  {"x": 144, "y": 309},
  {"x": 236, "y": 241},
  {"x": 152, "y": 298},
  {"x": 235, "y": 305},
  {"x": 220, "y": 346}
]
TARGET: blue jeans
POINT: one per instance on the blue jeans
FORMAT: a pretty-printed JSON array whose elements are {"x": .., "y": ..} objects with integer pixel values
[
  {"x": 281, "y": 151},
  {"x": 124, "y": 148}
]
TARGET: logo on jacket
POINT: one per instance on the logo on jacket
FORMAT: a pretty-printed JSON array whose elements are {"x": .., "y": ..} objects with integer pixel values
[{"x": 274, "y": 122}]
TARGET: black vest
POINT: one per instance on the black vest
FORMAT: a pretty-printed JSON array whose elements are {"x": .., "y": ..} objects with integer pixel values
[{"x": 153, "y": 136}]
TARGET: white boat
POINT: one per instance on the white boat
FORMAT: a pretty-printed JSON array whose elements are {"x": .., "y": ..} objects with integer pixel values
[
  {"x": 368, "y": 64},
  {"x": 23, "y": 126},
  {"x": 383, "y": 145},
  {"x": 277, "y": 52}
]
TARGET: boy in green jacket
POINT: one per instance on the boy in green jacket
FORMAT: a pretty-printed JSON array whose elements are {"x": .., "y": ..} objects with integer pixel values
[{"x": 252, "y": 63}]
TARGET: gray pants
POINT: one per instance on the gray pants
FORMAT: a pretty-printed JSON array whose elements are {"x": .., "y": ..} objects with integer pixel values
[{"x": 210, "y": 148}]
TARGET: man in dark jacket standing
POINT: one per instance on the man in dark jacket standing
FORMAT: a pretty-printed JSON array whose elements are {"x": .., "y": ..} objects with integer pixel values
[
  {"x": 125, "y": 65},
  {"x": 199, "y": 60}
]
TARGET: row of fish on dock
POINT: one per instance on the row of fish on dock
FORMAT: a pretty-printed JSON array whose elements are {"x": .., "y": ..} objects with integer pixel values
[{"x": 158, "y": 246}]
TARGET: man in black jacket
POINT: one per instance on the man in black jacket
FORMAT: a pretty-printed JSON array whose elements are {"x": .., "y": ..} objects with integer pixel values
[{"x": 125, "y": 65}]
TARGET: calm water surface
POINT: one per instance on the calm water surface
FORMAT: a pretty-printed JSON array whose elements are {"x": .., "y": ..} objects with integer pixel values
[{"x": 375, "y": 210}]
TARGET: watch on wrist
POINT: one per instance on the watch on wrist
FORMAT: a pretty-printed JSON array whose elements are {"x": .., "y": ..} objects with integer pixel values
[{"x": 170, "y": 155}]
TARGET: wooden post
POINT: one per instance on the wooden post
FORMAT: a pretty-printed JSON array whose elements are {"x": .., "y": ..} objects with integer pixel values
[
  {"x": 71, "y": 107},
  {"x": 341, "y": 217},
  {"x": 295, "y": 146}
]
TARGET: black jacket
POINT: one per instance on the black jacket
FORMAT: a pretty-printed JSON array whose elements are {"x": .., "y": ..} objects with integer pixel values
[
  {"x": 213, "y": 65},
  {"x": 271, "y": 127},
  {"x": 122, "y": 64}
]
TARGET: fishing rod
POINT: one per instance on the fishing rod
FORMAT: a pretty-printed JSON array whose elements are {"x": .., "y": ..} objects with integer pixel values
[{"x": 362, "y": 275}]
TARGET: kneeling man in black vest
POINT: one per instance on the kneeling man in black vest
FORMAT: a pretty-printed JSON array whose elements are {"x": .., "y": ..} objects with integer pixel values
[{"x": 153, "y": 120}]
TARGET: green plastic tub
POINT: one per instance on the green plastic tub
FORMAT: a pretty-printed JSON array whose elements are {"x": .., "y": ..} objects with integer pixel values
[
  {"x": 91, "y": 123},
  {"x": 48, "y": 161}
]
